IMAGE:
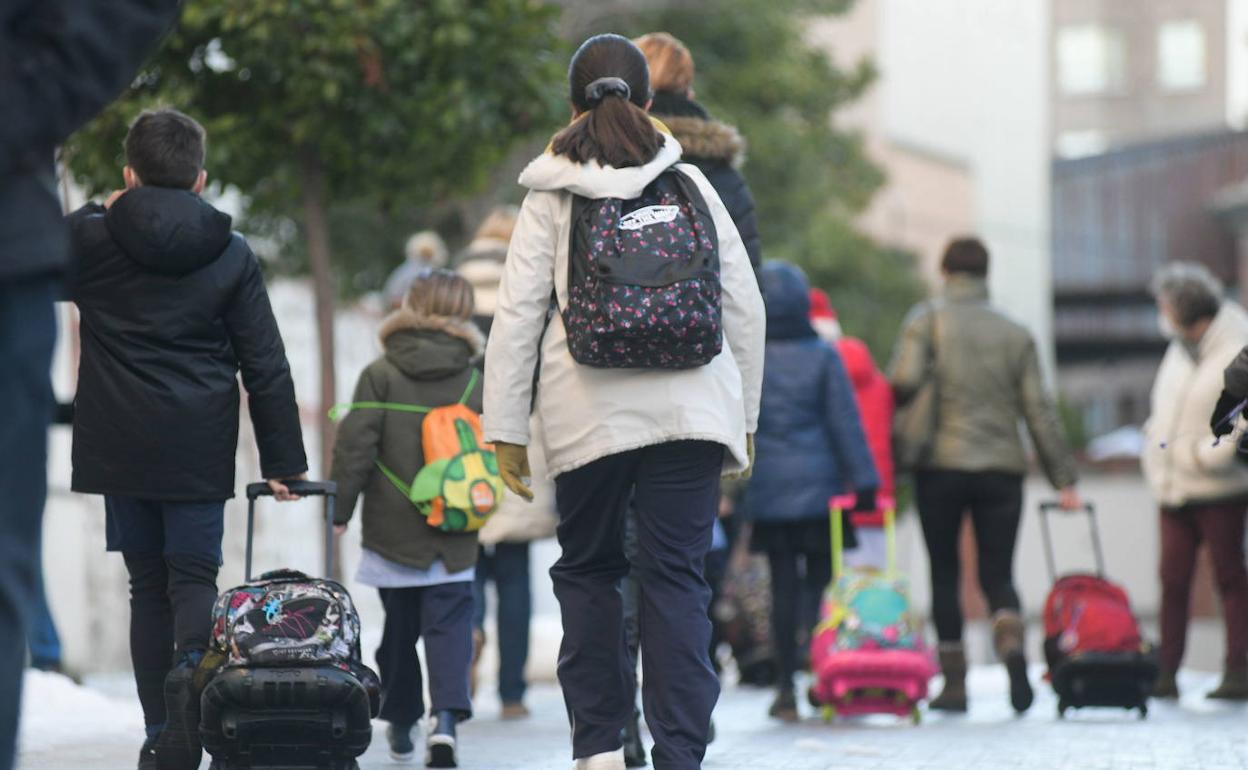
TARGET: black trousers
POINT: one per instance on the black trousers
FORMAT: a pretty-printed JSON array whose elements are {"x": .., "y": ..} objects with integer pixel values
[
  {"x": 172, "y": 551},
  {"x": 797, "y": 584},
  {"x": 442, "y": 614},
  {"x": 995, "y": 503},
  {"x": 675, "y": 490}
]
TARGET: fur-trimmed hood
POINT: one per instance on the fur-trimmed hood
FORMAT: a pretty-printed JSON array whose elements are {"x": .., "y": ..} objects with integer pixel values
[
  {"x": 707, "y": 139},
  {"x": 426, "y": 347}
]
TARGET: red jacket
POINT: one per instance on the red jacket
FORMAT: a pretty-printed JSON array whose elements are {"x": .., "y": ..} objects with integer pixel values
[{"x": 875, "y": 405}]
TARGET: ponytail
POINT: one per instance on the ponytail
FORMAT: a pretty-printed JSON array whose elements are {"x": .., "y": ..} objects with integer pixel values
[
  {"x": 609, "y": 85},
  {"x": 615, "y": 133}
]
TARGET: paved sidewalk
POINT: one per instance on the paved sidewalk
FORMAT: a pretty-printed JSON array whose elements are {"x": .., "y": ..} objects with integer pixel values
[{"x": 71, "y": 728}]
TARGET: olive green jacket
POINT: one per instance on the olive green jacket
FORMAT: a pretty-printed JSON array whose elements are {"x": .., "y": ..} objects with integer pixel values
[
  {"x": 988, "y": 380},
  {"x": 427, "y": 362}
]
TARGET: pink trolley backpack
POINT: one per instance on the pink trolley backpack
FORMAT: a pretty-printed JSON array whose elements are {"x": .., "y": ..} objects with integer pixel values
[{"x": 868, "y": 654}]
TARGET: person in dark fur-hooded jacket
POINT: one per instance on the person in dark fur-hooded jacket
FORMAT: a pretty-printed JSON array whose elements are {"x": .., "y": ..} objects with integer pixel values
[{"x": 716, "y": 148}]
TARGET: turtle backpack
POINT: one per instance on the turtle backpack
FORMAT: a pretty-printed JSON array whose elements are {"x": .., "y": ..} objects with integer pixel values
[{"x": 459, "y": 487}]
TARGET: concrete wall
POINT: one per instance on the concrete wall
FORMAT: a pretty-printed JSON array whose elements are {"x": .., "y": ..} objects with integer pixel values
[
  {"x": 927, "y": 198},
  {"x": 969, "y": 79}
]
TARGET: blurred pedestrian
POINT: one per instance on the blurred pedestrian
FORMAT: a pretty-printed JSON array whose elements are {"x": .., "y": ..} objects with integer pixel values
[
  {"x": 874, "y": 396},
  {"x": 423, "y": 572},
  {"x": 716, "y": 148},
  {"x": 60, "y": 63},
  {"x": 424, "y": 251},
  {"x": 985, "y": 372},
  {"x": 1201, "y": 485},
  {"x": 810, "y": 448},
  {"x": 173, "y": 307},
  {"x": 506, "y": 537},
  {"x": 655, "y": 424}
]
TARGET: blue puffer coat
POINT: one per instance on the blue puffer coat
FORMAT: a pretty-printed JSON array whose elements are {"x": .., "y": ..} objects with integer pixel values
[{"x": 810, "y": 445}]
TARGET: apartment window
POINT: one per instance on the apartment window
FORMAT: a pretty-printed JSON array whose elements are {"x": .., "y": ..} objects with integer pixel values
[
  {"x": 1181, "y": 55},
  {"x": 1091, "y": 60},
  {"x": 1080, "y": 144}
]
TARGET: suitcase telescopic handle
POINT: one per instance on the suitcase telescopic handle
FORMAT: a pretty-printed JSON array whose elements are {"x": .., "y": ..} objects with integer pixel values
[
  {"x": 326, "y": 489},
  {"x": 1050, "y": 556},
  {"x": 837, "y": 507}
]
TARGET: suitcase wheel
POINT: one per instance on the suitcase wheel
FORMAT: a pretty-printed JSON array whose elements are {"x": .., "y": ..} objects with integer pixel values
[
  {"x": 916, "y": 716},
  {"x": 1143, "y": 711},
  {"x": 828, "y": 713},
  {"x": 1062, "y": 708},
  {"x": 812, "y": 699}
]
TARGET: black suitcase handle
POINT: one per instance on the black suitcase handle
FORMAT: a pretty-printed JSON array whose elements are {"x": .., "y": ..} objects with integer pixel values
[
  {"x": 1050, "y": 556},
  {"x": 326, "y": 489}
]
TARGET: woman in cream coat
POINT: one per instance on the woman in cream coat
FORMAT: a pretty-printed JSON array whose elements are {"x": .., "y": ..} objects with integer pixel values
[
  {"x": 1200, "y": 483},
  {"x": 658, "y": 438}
]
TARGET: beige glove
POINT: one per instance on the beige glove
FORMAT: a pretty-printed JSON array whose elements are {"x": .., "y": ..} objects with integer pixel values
[
  {"x": 513, "y": 466},
  {"x": 749, "y": 469}
]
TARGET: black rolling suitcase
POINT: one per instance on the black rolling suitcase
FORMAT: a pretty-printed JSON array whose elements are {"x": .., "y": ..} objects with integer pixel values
[
  {"x": 291, "y": 691},
  {"x": 1092, "y": 642}
]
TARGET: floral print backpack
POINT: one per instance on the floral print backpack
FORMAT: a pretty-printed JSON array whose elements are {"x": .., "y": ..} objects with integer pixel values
[{"x": 643, "y": 279}]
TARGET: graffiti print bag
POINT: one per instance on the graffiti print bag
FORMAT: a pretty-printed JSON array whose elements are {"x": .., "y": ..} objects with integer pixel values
[
  {"x": 644, "y": 279},
  {"x": 286, "y": 618}
]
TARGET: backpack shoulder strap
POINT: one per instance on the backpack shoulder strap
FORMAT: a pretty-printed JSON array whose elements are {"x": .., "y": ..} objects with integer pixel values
[
  {"x": 339, "y": 409},
  {"x": 693, "y": 193},
  {"x": 472, "y": 385}
]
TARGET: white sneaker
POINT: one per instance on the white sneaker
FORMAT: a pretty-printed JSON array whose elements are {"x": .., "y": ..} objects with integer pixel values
[{"x": 611, "y": 760}]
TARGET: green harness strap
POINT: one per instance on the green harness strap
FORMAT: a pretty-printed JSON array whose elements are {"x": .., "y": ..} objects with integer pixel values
[{"x": 399, "y": 484}]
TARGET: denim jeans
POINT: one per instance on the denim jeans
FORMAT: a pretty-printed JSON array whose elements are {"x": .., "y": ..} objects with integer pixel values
[
  {"x": 27, "y": 338},
  {"x": 44, "y": 641},
  {"x": 507, "y": 564}
]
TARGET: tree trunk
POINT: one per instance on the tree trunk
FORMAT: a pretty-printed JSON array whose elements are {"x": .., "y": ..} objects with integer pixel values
[{"x": 316, "y": 226}]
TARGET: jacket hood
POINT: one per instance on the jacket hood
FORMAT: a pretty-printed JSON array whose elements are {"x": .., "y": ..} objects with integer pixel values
[
  {"x": 857, "y": 359},
  {"x": 701, "y": 137},
  {"x": 787, "y": 296},
  {"x": 170, "y": 232},
  {"x": 550, "y": 172},
  {"x": 426, "y": 347}
]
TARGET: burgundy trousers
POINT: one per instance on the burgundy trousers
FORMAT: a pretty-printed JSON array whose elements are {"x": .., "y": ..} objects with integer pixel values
[{"x": 1221, "y": 527}]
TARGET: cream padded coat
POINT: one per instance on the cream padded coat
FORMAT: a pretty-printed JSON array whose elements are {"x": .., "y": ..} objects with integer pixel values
[
  {"x": 589, "y": 413},
  {"x": 1182, "y": 462}
]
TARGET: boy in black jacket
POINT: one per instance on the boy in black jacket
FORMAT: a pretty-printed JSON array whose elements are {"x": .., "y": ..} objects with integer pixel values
[{"x": 173, "y": 306}]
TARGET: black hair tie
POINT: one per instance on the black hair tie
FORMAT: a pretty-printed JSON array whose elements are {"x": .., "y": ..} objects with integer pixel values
[{"x": 601, "y": 88}]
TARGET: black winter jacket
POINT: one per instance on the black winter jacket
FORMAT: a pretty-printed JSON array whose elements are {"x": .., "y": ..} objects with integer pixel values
[
  {"x": 61, "y": 61},
  {"x": 173, "y": 305},
  {"x": 717, "y": 149}
]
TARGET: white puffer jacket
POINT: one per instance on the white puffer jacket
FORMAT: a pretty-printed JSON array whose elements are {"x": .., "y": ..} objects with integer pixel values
[
  {"x": 1182, "y": 462},
  {"x": 590, "y": 413}
]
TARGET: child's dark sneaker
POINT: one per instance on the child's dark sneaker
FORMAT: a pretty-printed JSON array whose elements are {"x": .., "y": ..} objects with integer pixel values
[
  {"x": 147, "y": 754},
  {"x": 440, "y": 746},
  {"x": 178, "y": 747},
  {"x": 401, "y": 747}
]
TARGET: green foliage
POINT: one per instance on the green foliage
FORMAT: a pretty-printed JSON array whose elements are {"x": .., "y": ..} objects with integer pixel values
[
  {"x": 809, "y": 176},
  {"x": 404, "y": 104}
]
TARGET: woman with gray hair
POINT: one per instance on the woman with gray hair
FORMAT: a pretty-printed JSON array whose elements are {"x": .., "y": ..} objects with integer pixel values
[{"x": 1201, "y": 484}]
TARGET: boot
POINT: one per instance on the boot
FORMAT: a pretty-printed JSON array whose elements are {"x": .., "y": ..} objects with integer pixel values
[
  {"x": 784, "y": 707},
  {"x": 178, "y": 746},
  {"x": 1007, "y": 639},
  {"x": 1234, "y": 685},
  {"x": 1167, "y": 685},
  {"x": 953, "y": 665}
]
